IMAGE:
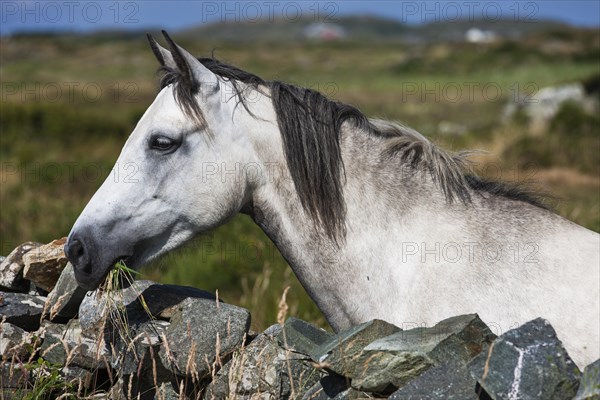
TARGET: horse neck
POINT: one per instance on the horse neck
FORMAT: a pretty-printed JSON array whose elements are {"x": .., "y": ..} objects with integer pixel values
[{"x": 323, "y": 267}]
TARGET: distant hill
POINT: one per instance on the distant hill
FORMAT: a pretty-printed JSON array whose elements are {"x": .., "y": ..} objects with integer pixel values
[
  {"x": 455, "y": 31},
  {"x": 356, "y": 27},
  {"x": 359, "y": 28},
  {"x": 367, "y": 27}
]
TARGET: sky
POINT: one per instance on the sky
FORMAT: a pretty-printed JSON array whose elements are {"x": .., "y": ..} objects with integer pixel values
[{"x": 88, "y": 16}]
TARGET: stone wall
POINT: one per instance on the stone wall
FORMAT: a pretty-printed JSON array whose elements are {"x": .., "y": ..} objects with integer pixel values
[{"x": 152, "y": 341}]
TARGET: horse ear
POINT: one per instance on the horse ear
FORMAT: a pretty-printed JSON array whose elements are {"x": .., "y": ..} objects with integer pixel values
[
  {"x": 193, "y": 72},
  {"x": 163, "y": 55}
]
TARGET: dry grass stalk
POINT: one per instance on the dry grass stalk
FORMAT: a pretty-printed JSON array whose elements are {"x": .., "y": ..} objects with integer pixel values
[{"x": 281, "y": 316}]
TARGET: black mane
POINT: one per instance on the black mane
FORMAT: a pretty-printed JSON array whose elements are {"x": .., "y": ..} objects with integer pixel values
[{"x": 310, "y": 126}]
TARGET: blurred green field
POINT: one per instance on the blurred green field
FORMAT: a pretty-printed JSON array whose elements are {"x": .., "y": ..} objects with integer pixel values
[{"x": 68, "y": 104}]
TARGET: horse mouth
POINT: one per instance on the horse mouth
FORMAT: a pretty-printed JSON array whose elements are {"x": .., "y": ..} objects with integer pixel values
[
  {"x": 91, "y": 281},
  {"x": 123, "y": 260}
]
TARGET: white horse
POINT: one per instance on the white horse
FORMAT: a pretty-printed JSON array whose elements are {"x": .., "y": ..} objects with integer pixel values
[{"x": 375, "y": 220}]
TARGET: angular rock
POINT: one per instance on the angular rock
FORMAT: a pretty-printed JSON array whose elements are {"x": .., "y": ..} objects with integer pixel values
[
  {"x": 341, "y": 352},
  {"x": 528, "y": 362},
  {"x": 78, "y": 377},
  {"x": 44, "y": 264},
  {"x": 392, "y": 361},
  {"x": 94, "y": 311},
  {"x": 22, "y": 310},
  {"x": 301, "y": 337},
  {"x": 166, "y": 392},
  {"x": 132, "y": 337},
  {"x": 37, "y": 291},
  {"x": 262, "y": 370},
  {"x": 139, "y": 299},
  {"x": 127, "y": 320},
  {"x": 271, "y": 331},
  {"x": 137, "y": 348},
  {"x": 200, "y": 331},
  {"x": 447, "y": 381},
  {"x": 65, "y": 345},
  {"x": 11, "y": 269},
  {"x": 353, "y": 394},
  {"x": 118, "y": 391},
  {"x": 329, "y": 387},
  {"x": 589, "y": 386},
  {"x": 64, "y": 300},
  {"x": 99, "y": 307},
  {"x": 14, "y": 342},
  {"x": 14, "y": 376}
]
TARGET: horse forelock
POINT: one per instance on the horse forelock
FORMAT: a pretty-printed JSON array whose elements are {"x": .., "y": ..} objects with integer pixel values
[
  {"x": 310, "y": 125},
  {"x": 185, "y": 94}
]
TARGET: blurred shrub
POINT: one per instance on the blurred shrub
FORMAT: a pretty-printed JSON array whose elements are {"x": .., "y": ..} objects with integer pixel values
[
  {"x": 58, "y": 122},
  {"x": 592, "y": 85},
  {"x": 572, "y": 135}
]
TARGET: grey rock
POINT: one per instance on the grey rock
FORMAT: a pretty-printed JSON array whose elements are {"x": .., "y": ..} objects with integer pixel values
[
  {"x": 14, "y": 342},
  {"x": 546, "y": 102},
  {"x": 392, "y": 361},
  {"x": 329, "y": 387},
  {"x": 165, "y": 391},
  {"x": 263, "y": 370},
  {"x": 118, "y": 391},
  {"x": 36, "y": 291},
  {"x": 341, "y": 352},
  {"x": 64, "y": 300},
  {"x": 14, "y": 375},
  {"x": 132, "y": 323},
  {"x": 200, "y": 330},
  {"x": 65, "y": 345},
  {"x": 137, "y": 348},
  {"x": 126, "y": 321},
  {"x": 101, "y": 310},
  {"x": 150, "y": 374},
  {"x": 103, "y": 396},
  {"x": 79, "y": 377},
  {"x": 162, "y": 301},
  {"x": 589, "y": 386},
  {"x": 528, "y": 362},
  {"x": 447, "y": 381},
  {"x": 137, "y": 300},
  {"x": 272, "y": 331},
  {"x": 346, "y": 395},
  {"x": 22, "y": 310},
  {"x": 353, "y": 394},
  {"x": 11, "y": 269},
  {"x": 301, "y": 337},
  {"x": 541, "y": 107},
  {"x": 44, "y": 264},
  {"x": 94, "y": 310}
]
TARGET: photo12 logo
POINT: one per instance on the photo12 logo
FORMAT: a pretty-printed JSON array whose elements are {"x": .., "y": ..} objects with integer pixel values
[
  {"x": 454, "y": 11},
  {"x": 69, "y": 92},
  {"x": 255, "y": 11},
  {"x": 69, "y": 12}
]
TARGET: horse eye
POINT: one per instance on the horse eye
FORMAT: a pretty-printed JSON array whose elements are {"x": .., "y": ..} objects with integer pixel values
[{"x": 161, "y": 143}]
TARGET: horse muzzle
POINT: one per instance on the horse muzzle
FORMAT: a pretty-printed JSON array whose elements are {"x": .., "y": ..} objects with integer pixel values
[{"x": 91, "y": 260}]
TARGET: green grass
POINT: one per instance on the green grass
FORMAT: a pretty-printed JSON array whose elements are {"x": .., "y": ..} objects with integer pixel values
[{"x": 47, "y": 382}]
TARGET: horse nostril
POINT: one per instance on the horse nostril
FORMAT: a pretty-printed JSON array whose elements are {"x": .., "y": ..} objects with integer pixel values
[
  {"x": 79, "y": 251},
  {"x": 77, "y": 254}
]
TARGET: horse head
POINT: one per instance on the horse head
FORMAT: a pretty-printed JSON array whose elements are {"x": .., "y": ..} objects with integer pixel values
[{"x": 177, "y": 175}]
